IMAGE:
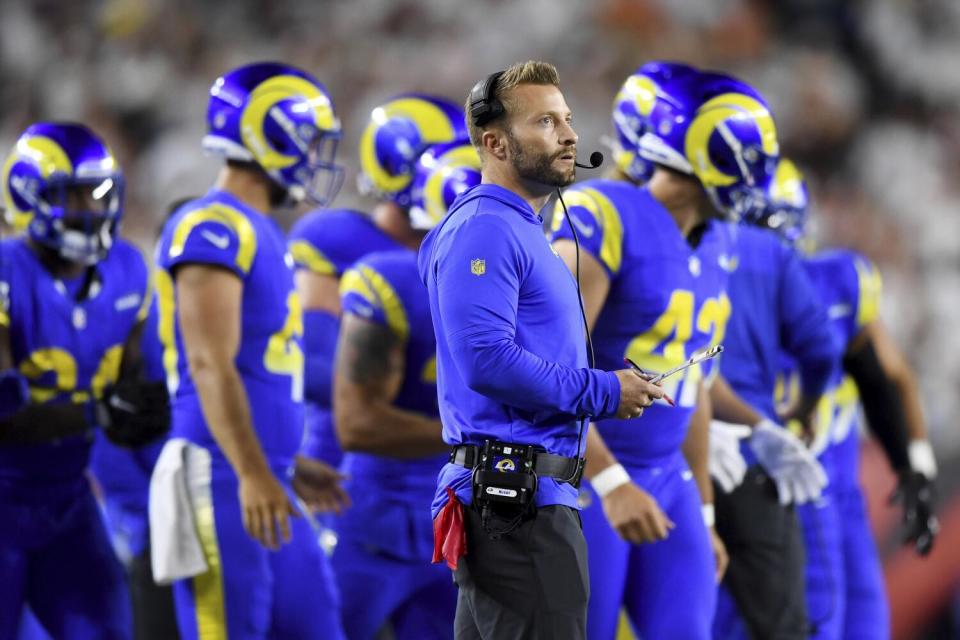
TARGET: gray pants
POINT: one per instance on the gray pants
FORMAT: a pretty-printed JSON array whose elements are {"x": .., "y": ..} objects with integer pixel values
[
  {"x": 530, "y": 584},
  {"x": 767, "y": 558}
]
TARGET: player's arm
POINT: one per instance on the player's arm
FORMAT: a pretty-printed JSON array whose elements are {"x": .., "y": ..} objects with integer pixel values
[
  {"x": 594, "y": 281},
  {"x": 881, "y": 385},
  {"x": 891, "y": 401},
  {"x": 696, "y": 449},
  {"x": 898, "y": 369},
  {"x": 807, "y": 335},
  {"x": 632, "y": 512},
  {"x": 368, "y": 375},
  {"x": 209, "y": 302},
  {"x": 728, "y": 406},
  {"x": 696, "y": 446}
]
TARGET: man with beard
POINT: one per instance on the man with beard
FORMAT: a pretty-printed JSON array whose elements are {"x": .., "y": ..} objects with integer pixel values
[{"x": 514, "y": 387}]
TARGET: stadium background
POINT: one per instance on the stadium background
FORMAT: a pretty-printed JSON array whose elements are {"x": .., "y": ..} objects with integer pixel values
[{"x": 866, "y": 96}]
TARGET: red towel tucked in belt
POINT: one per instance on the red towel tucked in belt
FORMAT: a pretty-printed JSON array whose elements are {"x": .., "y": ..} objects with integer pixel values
[{"x": 449, "y": 536}]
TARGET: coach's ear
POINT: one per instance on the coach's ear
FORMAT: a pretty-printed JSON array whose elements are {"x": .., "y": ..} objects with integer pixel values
[{"x": 494, "y": 143}]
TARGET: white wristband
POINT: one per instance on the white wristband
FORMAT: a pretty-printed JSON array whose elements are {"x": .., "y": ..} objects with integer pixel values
[
  {"x": 609, "y": 479},
  {"x": 921, "y": 458},
  {"x": 709, "y": 516}
]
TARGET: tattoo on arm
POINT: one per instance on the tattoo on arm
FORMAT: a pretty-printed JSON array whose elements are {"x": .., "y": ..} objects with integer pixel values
[{"x": 368, "y": 353}]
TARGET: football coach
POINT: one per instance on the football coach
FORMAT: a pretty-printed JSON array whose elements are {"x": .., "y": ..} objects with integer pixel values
[{"x": 515, "y": 389}]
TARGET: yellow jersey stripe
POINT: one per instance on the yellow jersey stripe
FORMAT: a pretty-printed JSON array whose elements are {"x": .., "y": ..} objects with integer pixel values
[
  {"x": 309, "y": 257},
  {"x": 227, "y": 216},
  {"x": 374, "y": 288},
  {"x": 870, "y": 286},
  {"x": 166, "y": 323},
  {"x": 208, "y": 587},
  {"x": 607, "y": 218}
]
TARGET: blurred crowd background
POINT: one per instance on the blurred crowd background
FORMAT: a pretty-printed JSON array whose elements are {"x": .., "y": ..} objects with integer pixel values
[{"x": 866, "y": 95}]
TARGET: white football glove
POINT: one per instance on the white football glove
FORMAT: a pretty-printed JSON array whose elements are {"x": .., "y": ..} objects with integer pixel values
[
  {"x": 794, "y": 469},
  {"x": 727, "y": 466}
]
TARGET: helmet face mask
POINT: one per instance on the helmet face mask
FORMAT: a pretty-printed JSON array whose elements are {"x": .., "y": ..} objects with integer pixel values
[
  {"x": 81, "y": 217},
  {"x": 61, "y": 184},
  {"x": 327, "y": 174},
  {"x": 281, "y": 119}
]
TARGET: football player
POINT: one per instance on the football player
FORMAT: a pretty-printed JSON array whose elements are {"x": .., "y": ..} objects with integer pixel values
[
  {"x": 845, "y": 589},
  {"x": 123, "y": 477},
  {"x": 231, "y": 325},
  {"x": 654, "y": 293},
  {"x": 326, "y": 242},
  {"x": 73, "y": 297},
  {"x": 775, "y": 311},
  {"x": 387, "y": 418}
]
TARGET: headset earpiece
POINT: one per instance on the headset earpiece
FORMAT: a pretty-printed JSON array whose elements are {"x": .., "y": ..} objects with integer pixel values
[{"x": 484, "y": 106}]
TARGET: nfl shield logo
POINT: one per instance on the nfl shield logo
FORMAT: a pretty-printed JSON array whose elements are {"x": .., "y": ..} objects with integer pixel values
[{"x": 478, "y": 267}]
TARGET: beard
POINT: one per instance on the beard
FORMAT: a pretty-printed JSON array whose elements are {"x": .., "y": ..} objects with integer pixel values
[{"x": 538, "y": 166}]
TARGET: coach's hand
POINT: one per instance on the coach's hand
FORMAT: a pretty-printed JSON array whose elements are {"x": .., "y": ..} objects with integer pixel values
[
  {"x": 266, "y": 508},
  {"x": 636, "y": 394},
  {"x": 635, "y": 515}
]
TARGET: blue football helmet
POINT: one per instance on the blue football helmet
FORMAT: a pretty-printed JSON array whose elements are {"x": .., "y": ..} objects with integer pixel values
[
  {"x": 725, "y": 136},
  {"x": 62, "y": 185},
  {"x": 282, "y": 119},
  {"x": 787, "y": 203},
  {"x": 442, "y": 173},
  {"x": 398, "y": 132},
  {"x": 647, "y": 94}
]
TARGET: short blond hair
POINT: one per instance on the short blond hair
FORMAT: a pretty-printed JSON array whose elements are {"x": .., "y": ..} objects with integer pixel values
[{"x": 529, "y": 72}]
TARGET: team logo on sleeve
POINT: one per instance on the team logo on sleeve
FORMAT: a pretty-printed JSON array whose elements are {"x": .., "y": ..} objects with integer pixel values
[{"x": 478, "y": 266}]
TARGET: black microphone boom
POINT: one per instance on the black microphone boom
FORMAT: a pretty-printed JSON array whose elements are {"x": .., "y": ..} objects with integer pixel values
[{"x": 596, "y": 159}]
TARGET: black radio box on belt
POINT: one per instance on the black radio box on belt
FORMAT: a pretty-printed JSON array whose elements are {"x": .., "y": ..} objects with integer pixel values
[{"x": 505, "y": 473}]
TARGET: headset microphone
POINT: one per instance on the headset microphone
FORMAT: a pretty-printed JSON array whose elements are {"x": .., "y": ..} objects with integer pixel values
[{"x": 596, "y": 159}]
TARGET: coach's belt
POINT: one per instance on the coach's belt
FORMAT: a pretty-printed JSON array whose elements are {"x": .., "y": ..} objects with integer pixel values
[{"x": 545, "y": 465}]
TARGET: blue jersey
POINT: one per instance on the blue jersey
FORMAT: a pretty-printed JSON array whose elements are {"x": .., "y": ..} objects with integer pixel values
[
  {"x": 511, "y": 350},
  {"x": 385, "y": 288},
  {"x": 775, "y": 309},
  {"x": 848, "y": 286},
  {"x": 327, "y": 242},
  {"x": 221, "y": 231},
  {"x": 69, "y": 351},
  {"x": 666, "y": 301}
]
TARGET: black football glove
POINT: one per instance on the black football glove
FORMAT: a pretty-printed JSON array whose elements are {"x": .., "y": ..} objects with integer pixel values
[
  {"x": 916, "y": 493},
  {"x": 132, "y": 414}
]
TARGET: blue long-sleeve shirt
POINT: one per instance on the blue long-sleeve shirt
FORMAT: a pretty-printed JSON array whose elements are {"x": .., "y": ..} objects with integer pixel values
[
  {"x": 511, "y": 351},
  {"x": 775, "y": 308}
]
